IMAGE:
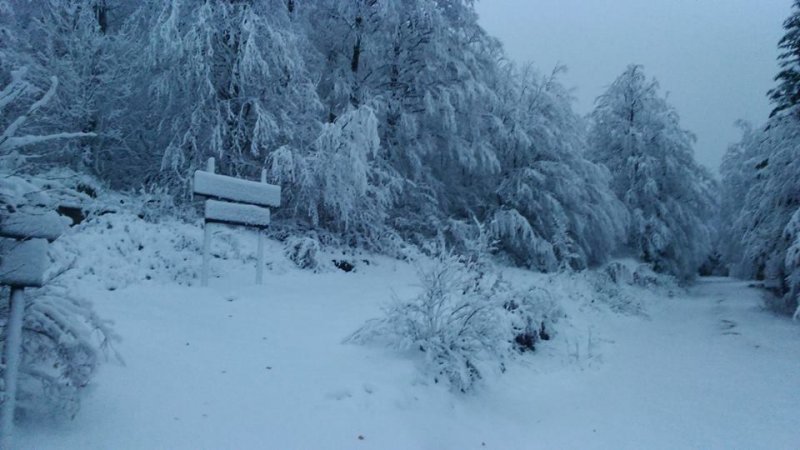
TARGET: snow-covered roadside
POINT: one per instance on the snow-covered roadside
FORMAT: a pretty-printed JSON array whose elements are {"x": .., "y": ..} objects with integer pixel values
[{"x": 239, "y": 366}]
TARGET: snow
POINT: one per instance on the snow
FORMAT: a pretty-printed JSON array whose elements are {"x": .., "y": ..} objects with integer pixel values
[
  {"x": 242, "y": 191},
  {"x": 42, "y": 224},
  {"x": 236, "y": 365},
  {"x": 236, "y": 213},
  {"x": 23, "y": 263}
]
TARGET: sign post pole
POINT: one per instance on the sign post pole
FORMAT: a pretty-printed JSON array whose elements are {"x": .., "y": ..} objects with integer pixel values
[
  {"x": 210, "y": 168},
  {"x": 260, "y": 250},
  {"x": 12, "y": 357}
]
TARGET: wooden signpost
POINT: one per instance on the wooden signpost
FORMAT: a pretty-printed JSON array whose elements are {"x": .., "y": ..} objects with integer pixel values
[
  {"x": 235, "y": 202},
  {"x": 23, "y": 262}
]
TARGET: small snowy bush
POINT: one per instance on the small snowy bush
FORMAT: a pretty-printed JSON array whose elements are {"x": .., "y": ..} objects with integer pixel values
[
  {"x": 465, "y": 321},
  {"x": 304, "y": 252},
  {"x": 64, "y": 341}
]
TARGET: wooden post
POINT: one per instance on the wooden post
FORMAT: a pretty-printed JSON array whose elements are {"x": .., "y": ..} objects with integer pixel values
[
  {"x": 210, "y": 168},
  {"x": 260, "y": 257},
  {"x": 12, "y": 358},
  {"x": 206, "y": 251},
  {"x": 260, "y": 250}
]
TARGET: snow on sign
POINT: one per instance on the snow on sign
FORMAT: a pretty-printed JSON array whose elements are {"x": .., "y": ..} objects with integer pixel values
[
  {"x": 236, "y": 190},
  {"x": 237, "y": 214},
  {"x": 23, "y": 263},
  {"x": 245, "y": 207},
  {"x": 48, "y": 225}
]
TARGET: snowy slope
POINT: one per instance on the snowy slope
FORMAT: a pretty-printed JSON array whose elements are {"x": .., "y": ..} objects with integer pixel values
[{"x": 241, "y": 366}]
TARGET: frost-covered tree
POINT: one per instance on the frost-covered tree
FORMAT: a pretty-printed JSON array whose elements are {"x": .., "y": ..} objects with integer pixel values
[
  {"x": 637, "y": 135},
  {"x": 70, "y": 40},
  {"x": 15, "y": 116},
  {"x": 761, "y": 185},
  {"x": 223, "y": 79},
  {"x": 761, "y": 176},
  {"x": 786, "y": 95},
  {"x": 337, "y": 185},
  {"x": 555, "y": 207},
  {"x": 739, "y": 169}
]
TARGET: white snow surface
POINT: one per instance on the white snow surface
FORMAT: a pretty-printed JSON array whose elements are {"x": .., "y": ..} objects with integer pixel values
[{"x": 241, "y": 366}]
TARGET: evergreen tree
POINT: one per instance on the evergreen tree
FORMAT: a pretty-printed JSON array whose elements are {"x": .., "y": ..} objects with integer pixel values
[{"x": 787, "y": 94}]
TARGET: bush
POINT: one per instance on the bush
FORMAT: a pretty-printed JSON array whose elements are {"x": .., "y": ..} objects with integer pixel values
[
  {"x": 304, "y": 252},
  {"x": 465, "y": 321},
  {"x": 63, "y": 344}
]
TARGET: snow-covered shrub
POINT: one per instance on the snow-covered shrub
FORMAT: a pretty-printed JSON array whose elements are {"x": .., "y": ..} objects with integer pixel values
[
  {"x": 64, "y": 341},
  {"x": 466, "y": 320},
  {"x": 533, "y": 314},
  {"x": 303, "y": 251},
  {"x": 618, "y": 272}
]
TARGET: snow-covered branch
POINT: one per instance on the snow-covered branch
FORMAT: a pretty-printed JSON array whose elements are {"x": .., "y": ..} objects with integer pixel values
[{"x": 8, "y": 140}]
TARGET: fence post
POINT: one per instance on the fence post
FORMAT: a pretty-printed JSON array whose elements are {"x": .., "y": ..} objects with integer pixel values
[{"x": 12, "y": 357}]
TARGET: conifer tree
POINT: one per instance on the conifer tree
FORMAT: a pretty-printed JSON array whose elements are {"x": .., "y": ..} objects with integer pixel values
[{"x": 787, "y": 94}]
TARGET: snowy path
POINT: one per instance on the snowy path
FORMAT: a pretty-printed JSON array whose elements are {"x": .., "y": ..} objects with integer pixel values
[{"x": 234, "y": 367}]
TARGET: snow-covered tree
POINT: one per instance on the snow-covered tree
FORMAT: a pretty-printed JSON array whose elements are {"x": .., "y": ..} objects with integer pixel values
[
  {"x": 16, "y": 116},
  {"x": 637, "y": 135},
  {"x": 337, "y": 184},
  {"x": 70, "y": 40},
  {"x": 761, "y": 176},
  {"x": 786, "y": 95},
  {"x": 555, "y": 207},
  {"x": 223, "y": 79},
  {"x": 761, "y": 185}
]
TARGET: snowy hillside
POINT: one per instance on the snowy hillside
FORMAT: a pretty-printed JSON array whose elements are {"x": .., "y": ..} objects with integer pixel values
[{"x": 237, "y": 365}]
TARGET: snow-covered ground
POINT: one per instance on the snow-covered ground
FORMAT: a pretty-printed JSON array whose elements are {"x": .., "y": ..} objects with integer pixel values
[{"x": 236, "y": 366}]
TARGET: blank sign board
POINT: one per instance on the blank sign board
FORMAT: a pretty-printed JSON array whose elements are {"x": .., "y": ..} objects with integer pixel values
[
  {"x": 235, "y": 213},
  {"x": 48, "y": 225},
  {"x": 234, "y": 189},
  {"x": 23, "y": 263}
]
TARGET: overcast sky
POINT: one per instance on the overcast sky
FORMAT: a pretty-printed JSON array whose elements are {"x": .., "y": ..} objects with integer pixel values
[{"x": 715, "y": 58}]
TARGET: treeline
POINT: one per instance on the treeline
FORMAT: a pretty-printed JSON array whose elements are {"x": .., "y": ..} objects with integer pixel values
[
  {"x": 384, "y": 121},
  {"x": 760, "y": 215}
]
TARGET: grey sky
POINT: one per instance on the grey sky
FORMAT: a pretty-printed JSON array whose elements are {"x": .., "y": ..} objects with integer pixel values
[{"x": 715, "y": 58}]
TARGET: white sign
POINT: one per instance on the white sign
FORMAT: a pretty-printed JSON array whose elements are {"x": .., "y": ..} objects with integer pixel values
[
  {"x": 23, "y": 263},
  {"x": 236, "y": 190},
  {"x": 245, "y": 207}
]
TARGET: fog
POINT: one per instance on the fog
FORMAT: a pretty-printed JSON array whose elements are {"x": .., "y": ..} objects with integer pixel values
[{"x": 715, "y": 58}]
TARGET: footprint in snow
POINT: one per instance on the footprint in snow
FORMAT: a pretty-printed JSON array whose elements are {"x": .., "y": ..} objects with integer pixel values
[
  {"x": 727, "y": 327},
  {"x": 339, "y": 395}
]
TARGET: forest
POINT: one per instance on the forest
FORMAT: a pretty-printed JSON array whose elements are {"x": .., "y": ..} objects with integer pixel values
[{"x": 398, "y": 131}]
